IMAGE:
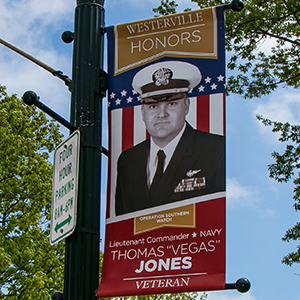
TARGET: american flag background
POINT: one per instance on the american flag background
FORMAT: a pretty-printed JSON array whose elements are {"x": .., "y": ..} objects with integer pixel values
[{"x": 126, "y": 127}]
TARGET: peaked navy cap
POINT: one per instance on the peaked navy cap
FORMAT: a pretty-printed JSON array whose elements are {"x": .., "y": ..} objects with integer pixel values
[{"x": 165, "y": 78}]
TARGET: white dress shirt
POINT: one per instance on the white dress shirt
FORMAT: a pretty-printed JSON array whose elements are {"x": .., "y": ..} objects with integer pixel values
[{"x": 168, "y": 150}]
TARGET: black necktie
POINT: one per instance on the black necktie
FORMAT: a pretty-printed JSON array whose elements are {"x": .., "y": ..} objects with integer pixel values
[{"x": 159, "y": 170}]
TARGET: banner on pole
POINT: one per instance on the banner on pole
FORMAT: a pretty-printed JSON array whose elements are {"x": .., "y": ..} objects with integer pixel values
[{"x": 165, "y": 219}]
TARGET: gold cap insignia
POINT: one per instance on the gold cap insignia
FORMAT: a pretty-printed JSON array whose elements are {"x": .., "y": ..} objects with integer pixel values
[{"x": 162, "y": 76}]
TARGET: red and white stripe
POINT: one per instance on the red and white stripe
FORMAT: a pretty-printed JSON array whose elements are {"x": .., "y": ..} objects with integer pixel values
[{"x": 126, "y": 129}]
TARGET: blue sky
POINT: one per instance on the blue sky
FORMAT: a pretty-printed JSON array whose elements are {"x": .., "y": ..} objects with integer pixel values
[{"x": 259, "y": 210}]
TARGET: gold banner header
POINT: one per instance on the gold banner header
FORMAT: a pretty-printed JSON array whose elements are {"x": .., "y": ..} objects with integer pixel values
[{"x": 188, "y": 34}]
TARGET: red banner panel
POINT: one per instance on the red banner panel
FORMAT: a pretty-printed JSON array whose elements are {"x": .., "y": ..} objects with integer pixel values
[{"x": 165, "y": 219}]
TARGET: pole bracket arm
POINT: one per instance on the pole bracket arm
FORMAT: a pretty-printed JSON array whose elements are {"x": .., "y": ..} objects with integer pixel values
[
  {"x": 103, "y": 30},
  {"x": 102, "y": 84},
  {"x": 65, "y": 78},
  {"x": 242, "y": 285},
  {"x": 235, "y": 5},
  {"x": 31, "y": 98}
]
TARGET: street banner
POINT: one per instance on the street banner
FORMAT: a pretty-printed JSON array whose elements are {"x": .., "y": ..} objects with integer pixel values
[{"x": 165, "y": 218}]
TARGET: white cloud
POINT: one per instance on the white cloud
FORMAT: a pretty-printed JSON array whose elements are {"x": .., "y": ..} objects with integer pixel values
[
  {"x": 238, "y": 194},
  {"x": 29, "y": 25},
  {"x": 26, "y": 21},
  {"x": 283, "y": 106},
  {"x": 20, "y": 75},
  {"x": 266, "y": 45}
]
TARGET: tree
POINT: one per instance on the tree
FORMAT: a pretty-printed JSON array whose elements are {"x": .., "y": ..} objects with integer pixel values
[
  {"x": 285, "y": 168},
  {"x": 181, "y": 296},
  {"x": 257, "y": 73},
  {"x": 29, "y": 267},
  {"x": 166, "y": 8}
]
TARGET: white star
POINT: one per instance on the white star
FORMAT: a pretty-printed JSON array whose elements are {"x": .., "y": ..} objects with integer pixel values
[
  {"x": 139, "y": 98},
  {"x": 194, "y": 234},
  {"x": 108, "y": 104},
  {"x": 129, "y": 100},
  {"x": 213, "y": 86},
  {"x": 220, "y": 78},
  {"x": 134, "y": 92},
  {"x": 118, "y": 101},
  {"x": 190, "y": 91},
  {"x": 123, "y": 93},
  {"x": 207, "y": 79},
  {"x": 201, "y": 88},
  {"x": 112, "y": 95}
]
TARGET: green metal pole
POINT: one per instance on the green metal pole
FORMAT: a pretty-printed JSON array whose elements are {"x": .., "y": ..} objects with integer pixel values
[{"x": 82, "y": 247}]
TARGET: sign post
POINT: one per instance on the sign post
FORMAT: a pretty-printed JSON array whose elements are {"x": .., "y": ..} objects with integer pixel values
[
  {"x": 81, "y": 276},
  {"x": 65, "y": 188}
]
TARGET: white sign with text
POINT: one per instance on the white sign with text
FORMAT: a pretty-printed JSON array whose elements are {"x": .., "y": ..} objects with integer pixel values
[{"x": 65, "y": 188}]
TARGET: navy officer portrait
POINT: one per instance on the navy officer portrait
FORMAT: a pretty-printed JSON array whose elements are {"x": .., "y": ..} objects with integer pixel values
[{"x": 177, "y": 162}]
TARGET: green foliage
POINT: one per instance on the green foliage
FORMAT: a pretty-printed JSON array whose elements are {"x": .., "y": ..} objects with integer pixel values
[
  {"x": 181, "y": 296},
  {"x": 29, "y": 267},
  {"x": 285, "y": 168},
  {"x": 166, "y": 7},
  {"x": 256, "y": 72}
]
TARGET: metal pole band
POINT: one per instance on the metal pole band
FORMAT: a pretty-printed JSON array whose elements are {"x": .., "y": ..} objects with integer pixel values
[{"x": 101, "y": 2}]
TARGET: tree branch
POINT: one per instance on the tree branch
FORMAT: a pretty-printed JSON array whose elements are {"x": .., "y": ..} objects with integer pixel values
[{"x": 278, "y": 37}]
